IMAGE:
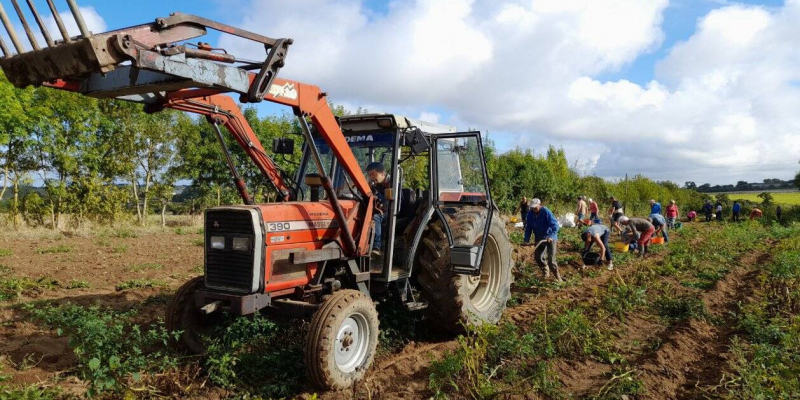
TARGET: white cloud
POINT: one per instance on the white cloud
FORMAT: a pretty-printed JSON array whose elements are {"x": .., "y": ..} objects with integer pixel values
[{"x": 724, "y": 100}]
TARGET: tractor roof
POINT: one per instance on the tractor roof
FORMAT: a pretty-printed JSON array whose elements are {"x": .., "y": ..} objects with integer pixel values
[{"x": 371, "y": 122}]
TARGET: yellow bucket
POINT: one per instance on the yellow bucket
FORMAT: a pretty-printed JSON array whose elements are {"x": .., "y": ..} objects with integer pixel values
[{"x": 621, "y": 247}]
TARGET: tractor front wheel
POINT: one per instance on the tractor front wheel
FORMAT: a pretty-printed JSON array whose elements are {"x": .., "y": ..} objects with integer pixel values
[
  {"x": 183, "y": 315},
  {"x": 341, "y": 340}
]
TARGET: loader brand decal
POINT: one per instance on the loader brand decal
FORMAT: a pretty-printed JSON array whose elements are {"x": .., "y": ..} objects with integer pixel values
[
  {"x": 287, "y": 226},
  {"x": 359, "y": 139},
  {"x": 286, "y": 90}
]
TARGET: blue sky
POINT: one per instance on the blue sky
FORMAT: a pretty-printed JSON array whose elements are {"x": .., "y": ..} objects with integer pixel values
[{"x": 641, "y": 91}]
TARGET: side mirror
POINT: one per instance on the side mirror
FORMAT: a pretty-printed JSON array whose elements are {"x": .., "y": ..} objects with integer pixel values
[
  {"x": 417, "y": 141},
  {"x": 283, "y": 146}
]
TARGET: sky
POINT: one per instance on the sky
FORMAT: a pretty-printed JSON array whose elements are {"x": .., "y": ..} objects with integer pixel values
[{"x": 681, "y": 90}]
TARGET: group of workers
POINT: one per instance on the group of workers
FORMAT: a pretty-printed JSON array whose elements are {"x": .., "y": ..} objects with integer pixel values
[
  {"x": 716, "y": 211},
  {"x": 539, "y": 222}
]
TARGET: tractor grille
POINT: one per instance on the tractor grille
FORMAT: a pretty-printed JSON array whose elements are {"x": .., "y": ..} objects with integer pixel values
[{"x": 228, "y": 269}]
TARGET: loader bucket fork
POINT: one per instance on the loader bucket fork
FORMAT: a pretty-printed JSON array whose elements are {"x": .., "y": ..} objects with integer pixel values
[
  {"x": 154, "y": 64},
  {"x": 159, "y": 58}
]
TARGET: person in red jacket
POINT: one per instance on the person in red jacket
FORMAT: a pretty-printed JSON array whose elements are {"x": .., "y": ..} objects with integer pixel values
[
  {"x": 672, "y": 214},
  {"x": 756, "y": 213}
]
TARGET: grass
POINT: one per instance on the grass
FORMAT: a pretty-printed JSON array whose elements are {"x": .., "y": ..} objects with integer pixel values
[
  {"x": 5, "y": 252},
  {"x": 139, "y": 284},
  {"x": 4, "y": 269},
  {"x": 61, "y": 248},
  {"x": 784, "y": 198}
]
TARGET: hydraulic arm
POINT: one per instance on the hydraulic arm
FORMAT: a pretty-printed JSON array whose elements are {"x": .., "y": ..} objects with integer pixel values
[{"x": 154, "y": 65}]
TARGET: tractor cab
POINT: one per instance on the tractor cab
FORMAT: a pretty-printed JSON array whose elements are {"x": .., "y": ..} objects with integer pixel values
[{"x": 402, "y": 147}]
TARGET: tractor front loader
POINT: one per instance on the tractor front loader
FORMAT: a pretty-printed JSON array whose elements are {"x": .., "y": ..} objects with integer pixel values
[{"x": 442, "y": 247}]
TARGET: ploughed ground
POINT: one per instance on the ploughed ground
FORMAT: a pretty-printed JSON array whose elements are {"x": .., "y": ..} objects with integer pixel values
[{"x": 672, "y": 360}]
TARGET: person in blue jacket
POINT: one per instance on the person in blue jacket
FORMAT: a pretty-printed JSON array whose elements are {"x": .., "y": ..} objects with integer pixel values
[
  {"x": 544, "y": 226},
  {"x": 737, "y": 209},
  {"x": 655, "y": 207}
]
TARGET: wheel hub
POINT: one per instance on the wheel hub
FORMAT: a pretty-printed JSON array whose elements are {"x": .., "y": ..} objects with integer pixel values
[{"x": 351, "y": 344}]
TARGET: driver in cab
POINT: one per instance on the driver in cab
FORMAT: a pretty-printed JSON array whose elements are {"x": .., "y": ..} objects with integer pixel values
[{"x": 379, "y": 181}]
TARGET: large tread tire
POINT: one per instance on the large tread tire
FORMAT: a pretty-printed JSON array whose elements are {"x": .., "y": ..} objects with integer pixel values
[
  {"x": 450, "y": 295},
  {"x": 320, "y": 355},
  {"x": 182, "y": 315}
]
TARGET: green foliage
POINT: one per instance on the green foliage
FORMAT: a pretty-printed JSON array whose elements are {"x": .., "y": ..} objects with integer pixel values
[
  {"x": 139, "y": 284},
  {"x": 679, "y": 308},
  {"x": 621, "y": 298},
  {"x": 4, "y": 269},
  {"x": 257, "y": 356},
  {"x": 61, "y": 248},
  {"x": 5, "y": 252},
  {"x": 12, "y": 288},
  {"x": 113, "y": 352},
  {"x": 766, "y": 198},
  {"x": 30, "y": 392},
  {"x": 78, "y": 284}
]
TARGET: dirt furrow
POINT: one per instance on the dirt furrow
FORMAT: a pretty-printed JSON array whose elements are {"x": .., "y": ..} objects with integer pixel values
[
  {"x": 693, "y": 352},
  {"x": 404, "y": 375}
]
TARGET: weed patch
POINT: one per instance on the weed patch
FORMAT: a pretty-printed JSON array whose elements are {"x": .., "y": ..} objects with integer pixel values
[
  {"x": 78, "y": 284},
  {"x": 113, "y": 353},
  {"x": 679, "y": 308},
  {"x": 139, "y": 284},
  {"x": 621, "y": 298},
  {"x": 12, "y": 288},
  {"x": 61, "y": 248},
  {"x": 258, "y": 357},
  {"x": 5, "y": 252}
]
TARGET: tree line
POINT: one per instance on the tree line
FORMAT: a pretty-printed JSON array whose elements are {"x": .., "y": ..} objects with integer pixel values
[
  {"x": 744, "y": 186},
  {"x": 107, "y": 160}
]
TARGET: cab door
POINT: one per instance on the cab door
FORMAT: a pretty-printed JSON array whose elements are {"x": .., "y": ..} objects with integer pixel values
[{"x": 459, "y": 183}]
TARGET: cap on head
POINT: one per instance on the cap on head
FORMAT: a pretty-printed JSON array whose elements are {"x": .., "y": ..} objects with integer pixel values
[
  {"x": 623, "y": 219},
  {"x": 652, "y": 201},
  {"x": 590, "y": 200},
  {"x": 535, "y": 202}
]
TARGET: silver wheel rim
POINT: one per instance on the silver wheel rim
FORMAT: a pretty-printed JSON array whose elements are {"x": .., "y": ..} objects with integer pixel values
[
  {"x": 352, "y": 342},
  {"x": 483, "y": 289}
]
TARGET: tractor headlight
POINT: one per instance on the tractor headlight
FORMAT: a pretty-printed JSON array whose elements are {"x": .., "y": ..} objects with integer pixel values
[
  {"x": 218, "y": 242},
  {"x": 241, "y": 244}
]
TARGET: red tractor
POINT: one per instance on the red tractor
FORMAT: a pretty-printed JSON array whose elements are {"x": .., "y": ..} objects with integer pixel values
[{"x": 440, "y": 244}]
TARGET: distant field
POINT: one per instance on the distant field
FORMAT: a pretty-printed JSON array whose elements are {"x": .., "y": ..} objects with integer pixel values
[{"x": 786, "y": 198}]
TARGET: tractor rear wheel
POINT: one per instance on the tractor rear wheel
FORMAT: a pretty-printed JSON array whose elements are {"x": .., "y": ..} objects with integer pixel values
[
  {"x": 183, "y": 315},
  {"x": 457, "y": 300},
  {"x": 341, "y": 340}
]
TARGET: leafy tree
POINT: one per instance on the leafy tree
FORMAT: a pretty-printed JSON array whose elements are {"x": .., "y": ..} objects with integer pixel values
[{"x": 766, "y": 198}]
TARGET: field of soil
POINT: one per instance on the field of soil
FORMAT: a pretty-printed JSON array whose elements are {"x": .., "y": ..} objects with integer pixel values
[{"x": 653, "y": 328}]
